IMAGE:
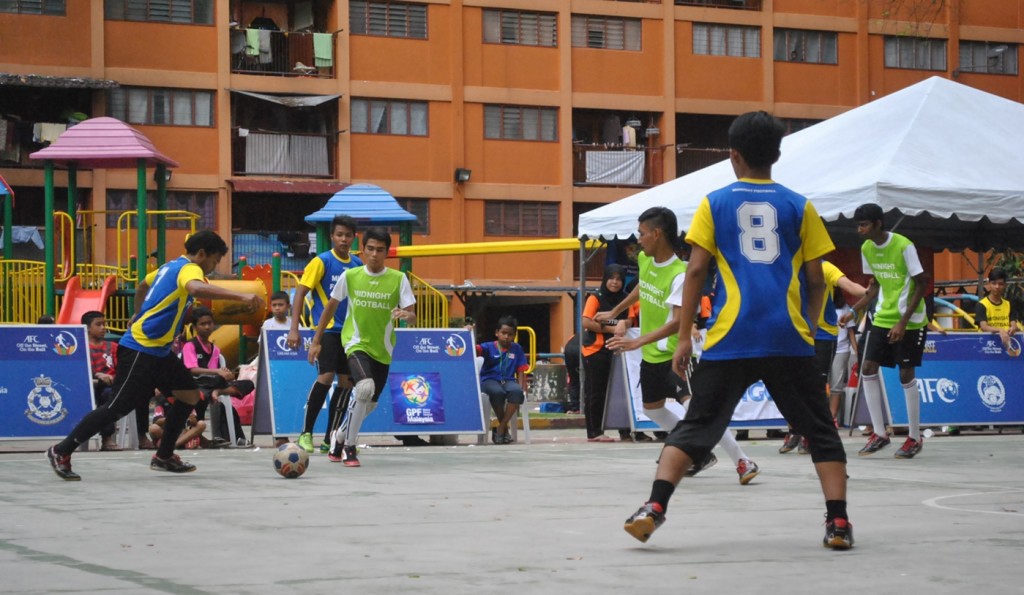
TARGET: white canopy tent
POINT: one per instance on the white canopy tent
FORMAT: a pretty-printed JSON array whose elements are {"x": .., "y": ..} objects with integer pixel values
[{"x": 945, "y": 161}]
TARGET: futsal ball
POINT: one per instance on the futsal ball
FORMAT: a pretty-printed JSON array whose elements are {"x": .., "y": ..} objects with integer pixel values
[{"x": 290, "y": 460}]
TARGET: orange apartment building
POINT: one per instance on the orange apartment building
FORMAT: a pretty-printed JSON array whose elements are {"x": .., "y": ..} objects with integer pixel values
[{"x": 270, "y": 107}]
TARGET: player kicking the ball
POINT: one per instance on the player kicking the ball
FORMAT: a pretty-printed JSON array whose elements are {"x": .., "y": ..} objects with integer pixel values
[
  {"x": 377, "y": 297},
  {"x": 768, "y": 242}
]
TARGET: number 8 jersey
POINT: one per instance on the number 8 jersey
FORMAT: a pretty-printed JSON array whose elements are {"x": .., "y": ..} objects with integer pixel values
[{"x": 760, "y": 234}]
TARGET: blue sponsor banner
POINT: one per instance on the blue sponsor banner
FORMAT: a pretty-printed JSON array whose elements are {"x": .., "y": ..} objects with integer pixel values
[
  {"x": 45, "y": 380},
  {"x": 432, "y": 386},
  {"x": 964, "y": 378}
]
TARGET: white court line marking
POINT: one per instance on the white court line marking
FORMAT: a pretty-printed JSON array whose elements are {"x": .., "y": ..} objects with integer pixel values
[{"x": 934, "y": 503}]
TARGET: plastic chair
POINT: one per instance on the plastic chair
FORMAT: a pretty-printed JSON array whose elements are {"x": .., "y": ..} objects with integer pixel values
[{"x": 513, "y": 424}]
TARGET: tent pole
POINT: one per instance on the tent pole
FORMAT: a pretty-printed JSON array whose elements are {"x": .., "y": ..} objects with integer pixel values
[{"x": 581, "y": 296}]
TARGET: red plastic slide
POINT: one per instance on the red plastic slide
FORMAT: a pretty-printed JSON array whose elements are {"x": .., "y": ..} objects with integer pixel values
[{"x": 78, "y": 301}]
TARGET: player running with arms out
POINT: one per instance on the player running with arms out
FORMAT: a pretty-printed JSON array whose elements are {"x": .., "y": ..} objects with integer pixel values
[
  {"x": 144, "y": 358},
  {"x": 898, "y": 328},
  {"x": 377, "y": 298},
  {"x": 767, "y": 242}
]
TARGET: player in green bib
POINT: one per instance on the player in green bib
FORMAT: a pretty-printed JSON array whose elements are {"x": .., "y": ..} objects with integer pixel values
[
  {"x": 377, "y": 298},
  {"x": 898, "y": 330}
]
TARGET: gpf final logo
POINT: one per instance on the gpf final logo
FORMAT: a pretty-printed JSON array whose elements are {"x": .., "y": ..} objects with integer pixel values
[
  {"x": 65, "y": 343},
  {"x": 454, "y": 345},
  {"x": 416, "y": 390},
  {"x": 992, "y": 392},
  {"x": 45, "y": 406}
]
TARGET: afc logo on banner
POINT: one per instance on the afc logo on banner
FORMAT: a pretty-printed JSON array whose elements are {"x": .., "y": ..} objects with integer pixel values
[{"x": 943, "y": 389}]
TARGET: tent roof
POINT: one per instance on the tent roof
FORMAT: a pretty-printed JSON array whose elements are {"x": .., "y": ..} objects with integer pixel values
[
  {"x": 940, "y": 158},
  {"x": 103, "y": 143},
  {"x": 364, "y": 202}
]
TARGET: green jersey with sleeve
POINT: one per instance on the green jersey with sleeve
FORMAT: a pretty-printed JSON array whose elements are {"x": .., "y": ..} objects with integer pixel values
[
  {"x": 894, "y": 264},
  {"x": 369, "y": 326},
  {"x": 661, "y": 285}
]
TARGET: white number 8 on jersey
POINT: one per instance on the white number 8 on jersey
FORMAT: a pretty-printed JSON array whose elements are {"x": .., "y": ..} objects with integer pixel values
[{"x": 759, "y": 241}]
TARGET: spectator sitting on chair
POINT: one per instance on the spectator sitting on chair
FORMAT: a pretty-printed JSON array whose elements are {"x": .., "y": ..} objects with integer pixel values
[
  {"x": 503, "y": 376},
  {"x": 103, "y": 356},
  {"x": 203, "y": 360}
]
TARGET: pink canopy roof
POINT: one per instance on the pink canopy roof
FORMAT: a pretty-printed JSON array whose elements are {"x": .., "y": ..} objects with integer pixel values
[{"x": 104, "y": 143}]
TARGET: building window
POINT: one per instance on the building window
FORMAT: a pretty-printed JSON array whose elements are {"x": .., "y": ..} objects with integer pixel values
[
  {"x": 517, "y": 27},
  {"x": 814, "y": 47},
  {"x": 915, "y": 53},
  {"x": 521, "y": 218},
  {"x": 989, "y": 57},
  {"x": 44, "y": 7},
  {"x": 203, "y": 204},
  {"x": 388, "y": 116},
  {"x": 419, "y": 207},
  {"x": 606, "y": 33},
  {"x": 198, "y": 12},
  {"x": 388, "y": 19},
  {"x": 166, "y": 107},
  {"x": 515, "y": 122},
  {"x": 726, "y": 40}
]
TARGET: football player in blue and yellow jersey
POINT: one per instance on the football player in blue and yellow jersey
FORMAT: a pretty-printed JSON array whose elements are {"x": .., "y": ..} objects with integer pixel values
[
  {"x": 767, "y": 242},
  {"x": 145, "y": 361},
  {"x": 318, "y": 279}
]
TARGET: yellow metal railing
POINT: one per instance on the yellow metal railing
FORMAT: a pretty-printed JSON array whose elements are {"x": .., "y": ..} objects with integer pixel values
[
  {"x": 22, "y": 290},
  {"x": 431, "y": 304},
  {"x": 127, "y": 235},
  {"x": 531, "y": 353},
  {"x": 64, "y": 246}
]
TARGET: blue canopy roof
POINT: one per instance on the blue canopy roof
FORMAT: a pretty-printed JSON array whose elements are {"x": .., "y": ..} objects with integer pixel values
[
  {"x": 4, "y": 188},
  {"x": 364, "y": 202}
]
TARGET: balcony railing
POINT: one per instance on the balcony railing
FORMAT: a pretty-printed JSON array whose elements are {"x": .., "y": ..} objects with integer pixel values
[
  {"x": 601, "y": 165},
  {"x": 283, "y": 154},
  {"x": 735, "y": 4},
  {"x": 691, "y": 160},
  {"x": 282, "y": 53}
]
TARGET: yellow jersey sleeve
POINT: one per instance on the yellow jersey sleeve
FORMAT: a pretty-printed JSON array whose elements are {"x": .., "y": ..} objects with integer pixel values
[
  {"x": 702, "y": 228},
  {"x": 312, "y": 274},
  {"x": 832, "y": 275},
  {"x": 189, "y": 272},
  {"x": 815, "y": 239}
]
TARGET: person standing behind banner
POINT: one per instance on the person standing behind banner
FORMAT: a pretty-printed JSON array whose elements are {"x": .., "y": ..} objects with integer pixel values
[
  {"x": 994, "y": 313},
  {"x": 380, "y": 297},
  {"x": 319, "y": 277},
  {"x": 767, "y": 242},
  {"x": 597, "y": 359},
  {"x": 899, "y": 327},
  {"x": 144, "y": 359}
]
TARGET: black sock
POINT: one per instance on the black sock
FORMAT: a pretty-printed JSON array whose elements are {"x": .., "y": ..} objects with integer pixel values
[
  {"x": 339, "y": 403},
  {"x": 835, "y": 509},
  {"x": 91, "y": 424},
  {"x": 314, "y": 403},
  {"x": 174, "y": 423},
  {"x": 661, "y": 491}
]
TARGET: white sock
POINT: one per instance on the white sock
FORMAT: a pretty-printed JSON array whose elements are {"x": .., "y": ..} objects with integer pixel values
[
  {"x": 913, "y": 397},
  {"x": 356, "y": 417},
  {"x": 728, "y": 442},
  {"x": 662, "y": 416},
  {"x": 873, "y": 395}
]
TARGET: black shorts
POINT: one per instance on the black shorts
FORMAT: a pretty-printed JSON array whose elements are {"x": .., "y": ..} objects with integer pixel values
[
  {"x": 792, "y": 382},
  {"x": 332, "y": 357},
  {"x": 362, "y": 366},
  {"x": 905, "y": 354},
  {"x": 138, "y": 374},
  {"x": 824, "y": 351},
  {"x": 658, "y": 382}
]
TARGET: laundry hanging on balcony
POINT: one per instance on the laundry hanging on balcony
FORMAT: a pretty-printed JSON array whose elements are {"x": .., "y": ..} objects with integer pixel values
[{"x": 615, "y": 167}]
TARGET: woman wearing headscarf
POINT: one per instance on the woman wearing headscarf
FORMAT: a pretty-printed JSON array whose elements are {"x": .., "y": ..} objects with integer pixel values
[{"x": 597, "y": 359}]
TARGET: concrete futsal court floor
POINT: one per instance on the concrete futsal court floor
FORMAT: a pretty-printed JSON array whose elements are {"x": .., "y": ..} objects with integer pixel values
[{"x": 540, "y": 518}]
